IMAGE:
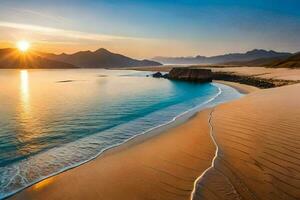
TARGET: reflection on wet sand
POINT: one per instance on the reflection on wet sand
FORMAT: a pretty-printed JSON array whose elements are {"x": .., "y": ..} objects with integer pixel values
[{"x": 43, "y": 183}]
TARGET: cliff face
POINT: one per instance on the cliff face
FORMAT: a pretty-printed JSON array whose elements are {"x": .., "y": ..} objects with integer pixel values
[{"x": 190, "y": 74}]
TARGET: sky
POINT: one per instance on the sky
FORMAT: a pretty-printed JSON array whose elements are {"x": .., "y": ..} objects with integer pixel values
[{"x": 144, "y": 29}]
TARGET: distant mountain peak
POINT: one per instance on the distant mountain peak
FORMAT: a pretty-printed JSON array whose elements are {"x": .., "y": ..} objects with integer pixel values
[
  {"x": 257, "y": 50},
  {"x": 229, "y": 57},
  {"x": 263, "y": 51},
  {"x": 102, "y": 50}
]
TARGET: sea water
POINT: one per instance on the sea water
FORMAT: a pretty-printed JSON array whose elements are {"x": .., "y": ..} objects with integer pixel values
[{"x": 53, "y": 120}]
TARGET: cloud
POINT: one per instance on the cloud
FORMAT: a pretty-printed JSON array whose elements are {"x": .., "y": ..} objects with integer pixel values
[
  {"x": 34, "y": 13},
  {"x": 65, "y": 33}
]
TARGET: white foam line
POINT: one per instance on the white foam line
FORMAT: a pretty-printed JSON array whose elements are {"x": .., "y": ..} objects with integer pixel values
[
  {"x": 215, "y": 157},
  {"x": 113, "y": 146}
]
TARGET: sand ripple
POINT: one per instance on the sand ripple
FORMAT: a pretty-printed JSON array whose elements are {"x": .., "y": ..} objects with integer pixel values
[{"x": 259, "y": 143}]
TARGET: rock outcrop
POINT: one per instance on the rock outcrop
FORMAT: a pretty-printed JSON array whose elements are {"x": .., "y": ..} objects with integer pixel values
[
  {"x": 191, "y": 74},
  {"x": 159, "y": 75}
]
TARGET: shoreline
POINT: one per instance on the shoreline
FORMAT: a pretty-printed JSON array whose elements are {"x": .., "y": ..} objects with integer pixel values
[
  {"x": 242, "y": 88},
  {"x": 138, "y": 139}
]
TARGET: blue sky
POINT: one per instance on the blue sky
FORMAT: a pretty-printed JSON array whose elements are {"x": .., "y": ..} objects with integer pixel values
[{"x": 149, "y": 28}]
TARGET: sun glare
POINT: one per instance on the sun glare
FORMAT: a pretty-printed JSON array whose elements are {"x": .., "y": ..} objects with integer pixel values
[{"x": 23, "y": 45}]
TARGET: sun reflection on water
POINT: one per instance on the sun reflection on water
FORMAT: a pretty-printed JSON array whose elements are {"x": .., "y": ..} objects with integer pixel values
[
  {"x": 24, "y": 109},
  {"x": 24, "y": 92},
  {"x": 24, "y": 88}
]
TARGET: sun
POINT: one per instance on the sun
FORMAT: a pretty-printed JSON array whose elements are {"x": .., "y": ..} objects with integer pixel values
[{"x": 23, "y": 45}]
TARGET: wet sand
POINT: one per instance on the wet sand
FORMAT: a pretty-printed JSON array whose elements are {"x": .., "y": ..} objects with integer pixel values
[
  {"x": 258, "y": 157},
  {"x": 242, "y": 88}
]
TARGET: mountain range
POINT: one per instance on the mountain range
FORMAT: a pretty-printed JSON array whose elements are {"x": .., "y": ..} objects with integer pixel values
[
  {"x": 101, "y": 58},
  {"x": 12, "y": 58},
  {"x": 232, "y": 57},
  {"x": 292, "y": 61}
]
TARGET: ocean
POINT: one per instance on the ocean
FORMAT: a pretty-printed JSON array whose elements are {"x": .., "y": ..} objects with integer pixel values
[{"x": 53, "y": 120}]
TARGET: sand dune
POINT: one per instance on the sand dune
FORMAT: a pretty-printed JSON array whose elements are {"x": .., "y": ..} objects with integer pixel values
[{"x": 259, "y": 141}]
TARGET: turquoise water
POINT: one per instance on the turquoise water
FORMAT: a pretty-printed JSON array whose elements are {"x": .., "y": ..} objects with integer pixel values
[{"x": 52, "y": 120}]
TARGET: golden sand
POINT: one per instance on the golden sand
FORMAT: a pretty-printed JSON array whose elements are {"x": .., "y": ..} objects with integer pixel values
[
  {"x": 262, "y": 72},
  {"x": 259, "y": 147}
]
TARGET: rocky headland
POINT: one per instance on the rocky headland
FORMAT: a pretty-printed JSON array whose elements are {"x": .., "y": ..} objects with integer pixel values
[{"x": 187, "y": 74}]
